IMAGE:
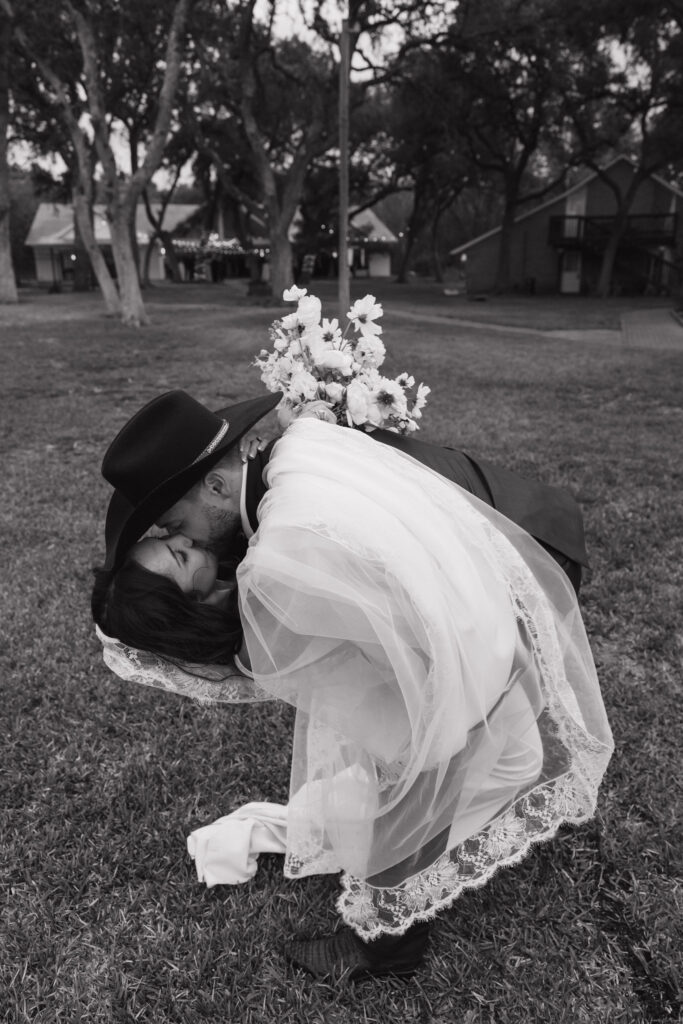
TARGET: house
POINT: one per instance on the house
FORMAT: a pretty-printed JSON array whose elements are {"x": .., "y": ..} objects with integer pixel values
[
  {"x": 370, "y": 245},
  {"x": 558, "y": 245},
  {"x": 51, "y": 236}
]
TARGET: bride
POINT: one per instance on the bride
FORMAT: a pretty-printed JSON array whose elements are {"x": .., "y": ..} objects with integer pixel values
[{"x": 448, "y": 709}]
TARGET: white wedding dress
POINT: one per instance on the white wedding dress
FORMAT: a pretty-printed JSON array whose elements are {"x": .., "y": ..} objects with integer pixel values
[{"x": 448, "y": 710}]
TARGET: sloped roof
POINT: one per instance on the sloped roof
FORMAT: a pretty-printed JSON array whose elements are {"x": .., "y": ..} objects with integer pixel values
[
  {"x": 53, "y": 224},
  {"x": 583, "y": 180},
  {"x": 374, "y": 229}
]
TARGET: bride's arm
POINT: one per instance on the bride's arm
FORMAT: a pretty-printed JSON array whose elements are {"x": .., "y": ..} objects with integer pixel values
[{"x": 242, "y": 662}]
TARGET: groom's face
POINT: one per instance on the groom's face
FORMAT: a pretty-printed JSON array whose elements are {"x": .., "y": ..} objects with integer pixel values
[
  {"x": 206, "y": 524},
  {"x": 210, "y": 512}
]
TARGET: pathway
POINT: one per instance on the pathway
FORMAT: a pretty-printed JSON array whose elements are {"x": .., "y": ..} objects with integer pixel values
[
  {"x": 652, "y": 328},
  {"x": 656, "y": 328}
]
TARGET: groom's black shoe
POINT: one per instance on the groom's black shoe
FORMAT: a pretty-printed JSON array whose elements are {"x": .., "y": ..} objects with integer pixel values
[{"x": 344, "y": 955}]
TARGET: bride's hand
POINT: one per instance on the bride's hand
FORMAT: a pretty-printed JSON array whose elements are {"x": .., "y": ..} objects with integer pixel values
[
  {"x": 318, "y": 410},
  {"x": 259, "y": 437},
  {"x": 251, "y": 443},
  {"x": 242, "y": 662}
]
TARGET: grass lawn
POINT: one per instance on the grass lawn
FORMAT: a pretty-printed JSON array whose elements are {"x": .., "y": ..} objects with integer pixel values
[{"x": 104, "y": 919}]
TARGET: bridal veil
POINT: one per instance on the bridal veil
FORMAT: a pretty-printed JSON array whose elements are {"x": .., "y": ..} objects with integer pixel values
[{"x": 448, "y": 709}]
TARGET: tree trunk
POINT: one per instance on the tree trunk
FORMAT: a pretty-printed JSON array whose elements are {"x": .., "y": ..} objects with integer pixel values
[
  {"x": 8, "y": 284},
  {"x": 618, "y": 226},
  {"x": 411, "y": 235},
  {"x": 402, "y": 276},
  {"x": 160, "y": 233},
  {"x": 604, "y": 286},
  {"x": 133, "y": 233},
  {"x": 97, "y": 261},
  {"x": 437, "y": 265},
  {"x": 132, "y": 306},
  {"x": 281, "y": 193},
  {"x": 605, "y": 283},
  {"x": 436, "y": 256},
  {"x": 121, "y": 208},
  {"x": 82, "y": 268},
  {"x": 281, "y": 271},
  {"x": 144, "y": 277},
  {"x": 502, "y": 282},
  {"x": 171, "y": 257}
]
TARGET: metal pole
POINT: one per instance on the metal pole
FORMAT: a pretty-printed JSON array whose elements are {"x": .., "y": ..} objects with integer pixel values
[{"x": 343, "y": 247}]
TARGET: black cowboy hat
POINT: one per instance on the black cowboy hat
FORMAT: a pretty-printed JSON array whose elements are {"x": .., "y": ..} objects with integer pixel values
[{"x": 161, "y": 453}]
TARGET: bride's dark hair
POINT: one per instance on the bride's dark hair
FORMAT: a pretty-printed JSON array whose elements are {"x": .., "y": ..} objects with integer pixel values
[{"x": 148, "y": 611}]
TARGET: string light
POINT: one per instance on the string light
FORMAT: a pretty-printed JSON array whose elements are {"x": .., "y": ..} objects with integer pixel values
[{"x": 217, "y": 247}]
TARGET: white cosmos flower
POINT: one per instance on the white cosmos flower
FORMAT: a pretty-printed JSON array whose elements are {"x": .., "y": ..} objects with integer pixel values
[
  {"x": 363, "y": 313},
  {"x": 293, "y": 294},
  {"x": 312, "y": 336},
  {"x": 332, "y": 334},
  {"x": 305, "y": 317},
  {"x": 421, "y": 396},
  {"x": 291, "y": 322},
  {"x": 391, "y": 399},
  {"x": 369, "y": 329}
]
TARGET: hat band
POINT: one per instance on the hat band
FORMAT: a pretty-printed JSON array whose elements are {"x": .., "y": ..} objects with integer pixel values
[{"x": 213, "y": 444}]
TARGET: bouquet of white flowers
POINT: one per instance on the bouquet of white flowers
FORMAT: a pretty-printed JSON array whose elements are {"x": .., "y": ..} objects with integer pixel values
[{"x": 335, "y": 375}]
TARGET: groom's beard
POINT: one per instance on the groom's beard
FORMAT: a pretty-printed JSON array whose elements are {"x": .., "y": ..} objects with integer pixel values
[{"x": 224, "y": 530}]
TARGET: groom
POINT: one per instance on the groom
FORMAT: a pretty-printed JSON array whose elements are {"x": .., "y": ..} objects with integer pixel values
[{"x": 179, "y": 465}]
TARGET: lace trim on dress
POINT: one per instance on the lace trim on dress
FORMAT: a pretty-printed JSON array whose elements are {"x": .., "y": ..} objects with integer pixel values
[
  {"x": 205, "y": 684},
  {"x": 373, "y": 911}
]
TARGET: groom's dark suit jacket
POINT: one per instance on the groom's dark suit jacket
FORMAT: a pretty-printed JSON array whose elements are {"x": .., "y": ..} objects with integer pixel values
[{"x": 549, "y": 514}]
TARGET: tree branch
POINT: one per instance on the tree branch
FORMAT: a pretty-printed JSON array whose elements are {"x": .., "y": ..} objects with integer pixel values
[
  {"x": 62, "y": 101},
  {"x": 96, "y": 105},
  {"x": 226, "y": 181},
  {"x": 248, "y": 87},
  {"x": 166, "y": 96}
]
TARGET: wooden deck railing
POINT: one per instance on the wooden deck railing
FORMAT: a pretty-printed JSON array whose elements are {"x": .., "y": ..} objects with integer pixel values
[{"x": 593, "y": 232}]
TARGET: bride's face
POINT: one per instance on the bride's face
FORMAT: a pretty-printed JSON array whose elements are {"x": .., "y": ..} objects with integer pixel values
[{"x": 193, "y": 569}]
